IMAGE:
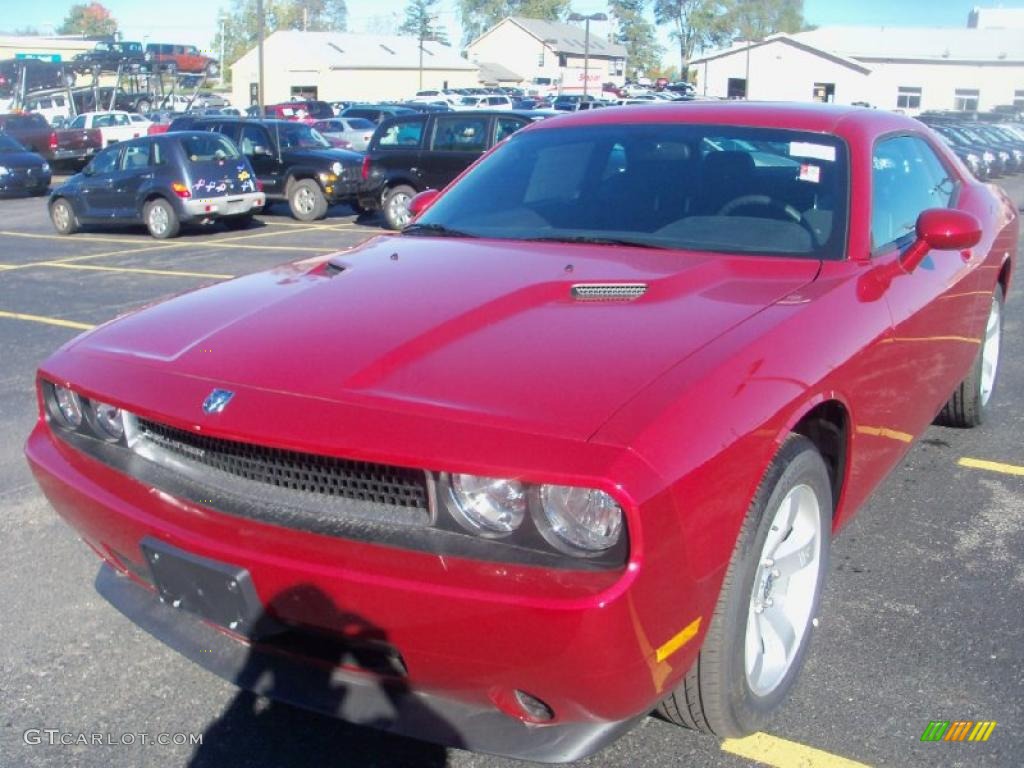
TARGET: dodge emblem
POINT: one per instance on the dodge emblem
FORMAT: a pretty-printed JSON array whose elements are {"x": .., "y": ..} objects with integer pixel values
[{"x": 217, "y": 400}]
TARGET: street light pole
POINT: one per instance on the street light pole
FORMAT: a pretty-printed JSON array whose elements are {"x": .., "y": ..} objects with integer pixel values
[
  {"x": 586, "y": 43},
  {"x": 259, "y": 33}
]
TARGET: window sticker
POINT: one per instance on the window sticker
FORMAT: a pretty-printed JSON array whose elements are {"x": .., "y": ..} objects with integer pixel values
[
  {"x": 811, "y": 173},
  {"x": 815, "y": 151}
]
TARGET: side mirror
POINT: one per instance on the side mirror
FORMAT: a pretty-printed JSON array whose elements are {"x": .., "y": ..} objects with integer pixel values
[
  {"x": 422, "y": 201},
  {"x": 943, "y": 229},
  {"x": 88, "y": 170}
]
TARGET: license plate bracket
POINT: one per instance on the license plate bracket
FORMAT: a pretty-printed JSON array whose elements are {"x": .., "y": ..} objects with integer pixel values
[{"x": 218, "y": 592}]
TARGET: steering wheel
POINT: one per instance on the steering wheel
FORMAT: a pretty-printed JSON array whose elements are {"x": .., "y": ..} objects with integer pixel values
[{"x": 769, "y": 202}]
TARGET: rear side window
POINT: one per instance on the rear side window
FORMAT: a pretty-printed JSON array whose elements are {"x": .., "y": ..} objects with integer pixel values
[
  {"x": 208, "y": 148},
  {"x": 404, "y": 134},
  {"x": 457, "y": 133},
  {"x": 505, "y": 127}
]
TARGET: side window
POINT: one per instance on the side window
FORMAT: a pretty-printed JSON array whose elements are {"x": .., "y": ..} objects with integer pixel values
[
  {"x": 135, "y": 156},
  {"x": 253, "y": 136},
  {"x": 78, "y": 122},
  {"x": 403, "y": 134},
  {"x": 106, "y": 161},
  {"x": 505, "y": 127},
  {"x": 906, "y": 178},
  {"x": 458, "y": 133}
]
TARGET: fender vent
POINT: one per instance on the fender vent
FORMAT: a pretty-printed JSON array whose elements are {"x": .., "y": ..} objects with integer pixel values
[
  {"x": 608, "y": 291},
  {"x": 332, "y": 268}
]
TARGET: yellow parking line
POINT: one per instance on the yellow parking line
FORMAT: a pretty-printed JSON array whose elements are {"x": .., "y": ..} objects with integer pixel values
[
  {"x": 223, "y": 244},
  {"x": 46, "y": 320},
  {"x": 278, "y": 233},
  {"x": 782, "y": 753},
  {"x": 134, "y": 270},
  {"x": 992, "y": 466},
  {"x": 70, "y": 259},
  {"x": 66, "y": 238},
  {"x": 201, "y": 243}
]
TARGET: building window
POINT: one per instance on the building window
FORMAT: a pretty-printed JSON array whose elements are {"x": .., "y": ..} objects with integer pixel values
[
  {"x": 563, "y": 60},
  {"x": 1018, "y": 99},
  {"x": 824, "y": 92},
  {"x": 540, "y": 58},
  {"x": 736, "y": 88},
  {"x": 908, "y": 97},
  {"x": 965, "y": 100},
  {"x": 304, "y": 92},
  {"x": 620, "y": 67}
]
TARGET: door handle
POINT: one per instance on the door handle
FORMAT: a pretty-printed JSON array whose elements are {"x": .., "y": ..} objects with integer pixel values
[{"x": 146, "y": 176}]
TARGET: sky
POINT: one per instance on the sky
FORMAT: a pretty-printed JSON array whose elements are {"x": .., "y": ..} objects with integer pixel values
[{"x": 195, "y": 21}]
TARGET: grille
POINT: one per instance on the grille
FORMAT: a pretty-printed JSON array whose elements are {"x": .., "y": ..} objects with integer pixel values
[
  {"x": 291, "y": 470},
  {"x": 609, "y": 291}
]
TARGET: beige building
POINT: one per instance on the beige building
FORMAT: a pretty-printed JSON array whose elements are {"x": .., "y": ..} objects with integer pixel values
[
  {"x": 551, "y": 55},
  {"x": 909, "y": 69},
  {"x": 344, "y": 66},
  {"x": 45, "y": 48}
]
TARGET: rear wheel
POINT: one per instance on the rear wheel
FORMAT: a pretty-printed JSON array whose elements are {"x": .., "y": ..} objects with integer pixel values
[
  {"x": 396, "y": 206},
  {"x": 63, "y": 217},
  {"x": 161, "y": 220},
  {"x": 968, "y": 404},
  {"x": 243, "y": 221},
  {"x": 306, "y": 200},
  {"x": 760, "y": 630},
  {"x": 143, "y": 106}
]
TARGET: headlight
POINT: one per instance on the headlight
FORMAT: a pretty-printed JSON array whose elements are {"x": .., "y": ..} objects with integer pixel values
[
  {"x": 3, "y": 170},
  {"x": 337, "y": 168},
  {"x": 108, "y": 419},
  {"x": 488, "y": 504},
  {"x": 46, "y": 167},
  {"x": 69, "y": 405},
  {"x": 584, "y": 518}
]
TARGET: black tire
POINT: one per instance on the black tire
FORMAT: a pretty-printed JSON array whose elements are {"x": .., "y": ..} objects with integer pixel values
[
  {"x": 969, "y": 404},
  {"x": 143, "y": 106},
  {"x": 395, "y": 201},
  {"x": 306, "y": 200},
  {"x": 63, "y": 217},
  {"x": 161, "y": 220},
  {"x": 242, "y": 221},
  {"x": 715, "y": 696}
]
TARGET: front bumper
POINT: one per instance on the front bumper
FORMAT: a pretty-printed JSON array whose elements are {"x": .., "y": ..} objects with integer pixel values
[
  {"x": 339, "y": 189},
  {"x": 20, "y": 182},
  {"x": 215, "y": 207},
  {"x": 469, "y": 633}
]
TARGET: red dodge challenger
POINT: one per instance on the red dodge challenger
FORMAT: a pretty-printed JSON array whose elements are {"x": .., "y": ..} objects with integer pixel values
[{"x": 570, "y": 448}]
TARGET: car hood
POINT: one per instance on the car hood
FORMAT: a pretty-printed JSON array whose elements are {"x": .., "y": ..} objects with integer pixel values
[
  {"x": 323, "y": 156},
  {"x": 484, "y": 330},
  {"x": 21, "y": 160}
]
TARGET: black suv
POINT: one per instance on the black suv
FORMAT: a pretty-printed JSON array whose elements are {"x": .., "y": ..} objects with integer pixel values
[
  {"x": 85, "y": 100},
  {"x": 293, "y": 162},
  {"x": 376, "y": 112},
  {"x": 39, "y": 75},
  {"x": 107, "y": 57},
  {"x": 411, "y": 153}
]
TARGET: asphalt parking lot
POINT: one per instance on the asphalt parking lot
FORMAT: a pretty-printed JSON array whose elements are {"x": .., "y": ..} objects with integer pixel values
[{"x": 923, "y": 617}]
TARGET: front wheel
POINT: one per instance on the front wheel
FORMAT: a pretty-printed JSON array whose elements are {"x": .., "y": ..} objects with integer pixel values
[
  {"x": 968, "y": 404},
  {"x": 307, "y": 201},
  {"x": 63, "y": 217},
  {"x": 396, "y": 206},
  {"x": 761, "y": 627},
  {"x": 161, "y": 220}
]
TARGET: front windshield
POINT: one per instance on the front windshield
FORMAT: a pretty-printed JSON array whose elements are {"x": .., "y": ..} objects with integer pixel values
[
  {"x": 702, "y": 187},
  {"x": 301, "y": 136}
]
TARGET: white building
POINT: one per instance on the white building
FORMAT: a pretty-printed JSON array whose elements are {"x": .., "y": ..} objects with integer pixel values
[
  {"x": 552, "y": 55},
  {"x": 996, "y": 18},
  {"x": 344, "y": 66},
  {"x": 912, "y": 69}
]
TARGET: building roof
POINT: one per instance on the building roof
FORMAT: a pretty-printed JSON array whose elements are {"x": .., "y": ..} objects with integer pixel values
[
  {"x": 344, "y": 50},
  {"x": 783, "y": 39},
  {"x": 492, "y": 72},
  {"x": 918, "y": 43},
  {"x": 569, "y": 38}
]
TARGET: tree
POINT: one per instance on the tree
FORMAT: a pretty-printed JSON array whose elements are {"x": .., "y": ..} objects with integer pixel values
[
  {"x": 756, "y": 19},
  {"x": 695, "y": 24},
  {"x": 311, "y": 15},
  {"x": 420, "y": 22},
  {"x": 635, "y": 32},
  {"x": 477, "y": 16},
  {"x": 92, "y": 20}
]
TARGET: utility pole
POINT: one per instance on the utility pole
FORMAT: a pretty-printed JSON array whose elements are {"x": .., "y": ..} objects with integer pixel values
[
  {"x": 223, "y": 64},
  {"x": 259, "y": 33},
  {"x": 586, "y": 43}
]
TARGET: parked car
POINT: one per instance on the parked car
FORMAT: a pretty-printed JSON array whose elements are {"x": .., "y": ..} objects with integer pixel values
[
  {"x": 166, "y": 57},
  {"x": 294, "y": 163},
  {"x": 54, "y": 106},
  {"x": 163, "y": 182},
  {"x": 58, "y": 146},
  {"x": 375, "y": 112},
  {"x": 123, "y": 101},
  {"x": 491, "y": 101},
  {"x": 110, "y": 56},
  {"x": 307, "y": 112},
  {"x": 411, "y": 153},
  {"x": 570, "y": 102},
  {"x": 21, "y": 170},
  {"x": 572, "y": 447},
  {"x": 357, "y": 131},
  {"x": 113, "y": 126}
]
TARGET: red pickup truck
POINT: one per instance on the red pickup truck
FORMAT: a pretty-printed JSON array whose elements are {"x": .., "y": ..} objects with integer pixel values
[{"x": 69, "y": 146}]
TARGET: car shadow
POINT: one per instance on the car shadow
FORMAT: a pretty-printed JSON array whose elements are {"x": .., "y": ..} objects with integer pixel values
[{"x": 259, "y": 731}]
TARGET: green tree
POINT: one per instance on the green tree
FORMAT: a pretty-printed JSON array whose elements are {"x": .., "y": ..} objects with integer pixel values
[
  {"x": 421, "y": 23},
  {"x": 695, "y": 24},
  {"x": 477, "y": 16},
  {"x": 756, "y": 19},
  {"x": 643, "y": 53},
  {"x": 92, "y": 20}
]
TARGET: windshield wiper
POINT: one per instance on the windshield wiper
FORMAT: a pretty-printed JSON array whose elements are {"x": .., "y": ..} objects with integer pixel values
[
  {"x": 593, "y": 241},
  {"x": 436, "y": 230}
]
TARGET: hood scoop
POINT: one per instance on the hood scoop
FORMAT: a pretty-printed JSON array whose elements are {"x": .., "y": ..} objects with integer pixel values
[{"x": 608, "y": 291}]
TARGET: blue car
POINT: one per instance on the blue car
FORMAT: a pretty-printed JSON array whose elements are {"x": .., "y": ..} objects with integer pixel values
[
  {"x": 21, "y": 171},
  {"x": 162, "y": 181}
]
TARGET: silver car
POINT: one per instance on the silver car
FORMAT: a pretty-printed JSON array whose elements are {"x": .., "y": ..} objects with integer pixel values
[{"x": 357, "y": 131}]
